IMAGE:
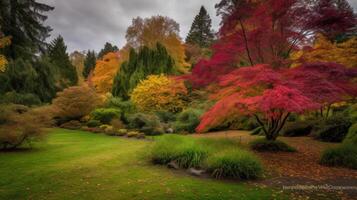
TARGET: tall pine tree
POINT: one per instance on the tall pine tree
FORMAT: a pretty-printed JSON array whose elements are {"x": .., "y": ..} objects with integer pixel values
[
  {"x": 108, "y": 47},
  {"x": 139, "y": 66},
  {"x": 65, "y": 72},
  {"x": 201, "y": 33},
  {"x": 89, "y": 63},
  {"x": 23, "y": 21}
]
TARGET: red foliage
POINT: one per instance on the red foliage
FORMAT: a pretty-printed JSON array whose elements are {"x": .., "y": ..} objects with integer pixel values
[
  {"x": 266, "y": 31},
  {"x": 270, "y": 95}
]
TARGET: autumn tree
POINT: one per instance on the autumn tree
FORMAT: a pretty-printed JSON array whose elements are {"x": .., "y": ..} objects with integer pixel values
[
  {"x": 325, "y": 50},
  {"x": 24, "y": 22},
  {"x": 141, "y": 64},
  {"x": 158, "y": 29},
  {"x": 201, "y": 32},
  {"x": 105, "y": 71},
  {"x": 266, "y": 31},
  {"x": 77, "y": 59},
  {"x": 271, "y": 95},
  {"x": 108, "y": 48},
  {"x": 159, "y": 93},
  {"x": 65, "y": 72},
  {"x": 89, "y": 63}
]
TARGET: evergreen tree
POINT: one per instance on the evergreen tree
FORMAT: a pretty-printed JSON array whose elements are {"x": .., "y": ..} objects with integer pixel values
[
  {"x": 89, "y": 63},
  {"x": 108, "y": 47},
  {"x": 139, "y": 66},
  {"x": 25, "y": 77},
  {"x": 65, "y": 72},
  {"x": 23, "y": 20},
  {"x": 201, "y": 33}
]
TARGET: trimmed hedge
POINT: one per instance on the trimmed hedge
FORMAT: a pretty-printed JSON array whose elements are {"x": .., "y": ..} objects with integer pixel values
[{"x": 300, "y": 128}]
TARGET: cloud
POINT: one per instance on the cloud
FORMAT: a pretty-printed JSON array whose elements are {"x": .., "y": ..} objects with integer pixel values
[{"x": 88, "y": 24}]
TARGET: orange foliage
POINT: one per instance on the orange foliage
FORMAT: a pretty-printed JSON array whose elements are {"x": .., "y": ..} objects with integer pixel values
[{"x": 104, "y": 72}]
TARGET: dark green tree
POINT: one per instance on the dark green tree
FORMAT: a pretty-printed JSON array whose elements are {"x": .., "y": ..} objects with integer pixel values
[
  {"x": 23, "y": 21},
  {"x": 108, "y": 47},
  {"x": 24, "y": 78},
  {"x": 89, "y": 63},
  {"x": 139, "y": 66},
  {"x": 201, "y": 33},
  {"x": 65, "y": 72}
]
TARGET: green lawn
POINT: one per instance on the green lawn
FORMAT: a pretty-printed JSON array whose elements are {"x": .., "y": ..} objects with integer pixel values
[{"x": 80, "y": 165}]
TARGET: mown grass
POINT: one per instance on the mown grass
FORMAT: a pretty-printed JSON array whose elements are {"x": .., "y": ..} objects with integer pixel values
[{"x": 81, "y": 165}]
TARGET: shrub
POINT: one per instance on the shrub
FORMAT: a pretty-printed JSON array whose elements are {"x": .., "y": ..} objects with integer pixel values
[
  {"x": 106, "y": 115},
  {"x": 352, "y": 112},
  {"x": 146, "y": 123},
  {"x": 117, "y": 124},
  {"x": 20, "y": 125},
  {"x": 263, "y": 145},
  {"x": 351, "y": 137},
  {"x": 122, "y": 132},
  {"x": 334, "y": 129},
  {"x": 344, "y": 156},
  {"x": 234, "y": 164},
  {"x": 295, "y": 129},
  {"x": 27, "y": 99},
  {"x": 133, "y": 134},
  {"x": 75, "y": 102},
  {"x": 73, "y": 125},
  {"x": 184, "y": 151},
  {"x": 160, "y": 93},
  {"x": 188, "y": 120},
  {"x": 166, "y": 116},
  {"x": 93, "y": 123},
  {"x": 126, "y": 107}
]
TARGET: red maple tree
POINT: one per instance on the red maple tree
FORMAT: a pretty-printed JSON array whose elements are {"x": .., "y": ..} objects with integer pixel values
[
  {"x": 271, "y": 94},
  {"x": 267, "y": 31}
]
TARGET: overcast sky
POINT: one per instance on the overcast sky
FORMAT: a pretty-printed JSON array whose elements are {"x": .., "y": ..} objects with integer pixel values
[{"x": 88, "y": 24}]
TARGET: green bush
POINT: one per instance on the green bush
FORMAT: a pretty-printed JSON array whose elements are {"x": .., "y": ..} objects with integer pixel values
[
  {"x": 27, "y": 99},
  {"x": 221, "y": 157},
  {"x": 263, "y": 145},
  {"x": 352, "y": 113},
  {"x": 299, "y": 128},
  {"x": 166, "y": 116},
  {"x": 126, "y": 107},
  {"x": 184, "y": 151},
  {"x": 234, "y": 164},
  {"x": 106, "y": 115},
  {"x": 188, "y": 120},
  {"x": 146, "y": 123},
  {"x": 93, "y": 123},
  {"x": 343, "y": 156},
  {"x": 333, "y": 129},
  {"x": 351, "y": 137}
]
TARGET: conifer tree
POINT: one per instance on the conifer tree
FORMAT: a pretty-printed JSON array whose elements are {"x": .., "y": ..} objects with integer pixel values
[
  {"x": 65, "y": 72},
  {"x": 139, "y": 66},
  {"x": 23, "y": 21},
  {"x": 201, "y": 33},
  {"x": 89, "y": 63},
  {"x": 108, "y": 47}
]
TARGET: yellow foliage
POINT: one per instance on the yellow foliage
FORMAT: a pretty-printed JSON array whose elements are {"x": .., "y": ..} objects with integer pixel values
[
  {"x": 5, "y": 41},
  {"x": 324, "y": 50},
  {"x": 104, "y": 72},
  {"x": 159, "y": 93}
]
